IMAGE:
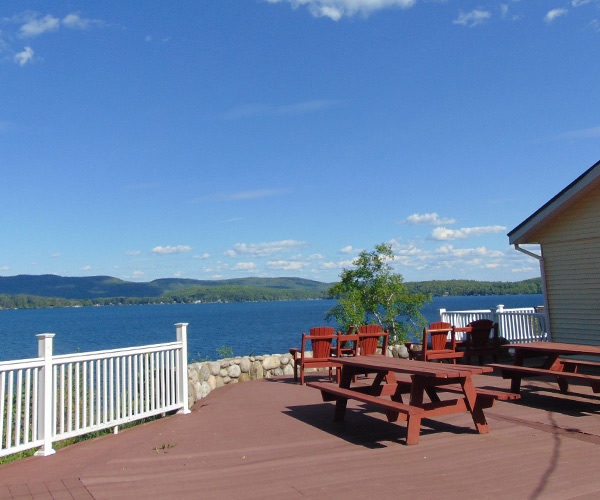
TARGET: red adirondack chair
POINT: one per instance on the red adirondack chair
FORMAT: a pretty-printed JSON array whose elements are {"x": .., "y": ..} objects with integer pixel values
[
  {"x": 435, "y": 345},
  {"x": 321, "y": 341},
  {"x": 481, "y": 339}
]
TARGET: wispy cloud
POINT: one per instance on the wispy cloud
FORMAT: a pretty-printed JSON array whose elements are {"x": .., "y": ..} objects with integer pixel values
[
  {"x": 203, "y": 256},
  {"x": 554, "y": 14},
  {"x": 473, "y": 18},
  {"x": 160, "y": 250},
  {"x": 251, "y": 194},
  {"x": 23, "y": 57},
  {"x": 336, "y": 9},
  {"x": 35, "y": 24},
  {"x": 267, "y": 110},
  {"x": 31, "y": 25},
  {"x": 264, "y": 249},
  {"x": 445, "y": 234},
  {"x": 585, "y": 133},
  {"x": 40, "y": 25},
  {"x": 432, "y": 219}
]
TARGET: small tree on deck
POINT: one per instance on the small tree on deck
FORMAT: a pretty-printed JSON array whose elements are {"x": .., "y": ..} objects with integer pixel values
[{"x": 372, "y": 291}]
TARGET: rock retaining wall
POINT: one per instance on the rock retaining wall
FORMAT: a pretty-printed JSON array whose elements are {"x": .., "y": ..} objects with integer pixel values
[{"x": 206, "y": 376}]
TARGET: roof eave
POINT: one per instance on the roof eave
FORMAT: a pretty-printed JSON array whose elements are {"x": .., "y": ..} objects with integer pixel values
[{"x": 519, "y": 235}]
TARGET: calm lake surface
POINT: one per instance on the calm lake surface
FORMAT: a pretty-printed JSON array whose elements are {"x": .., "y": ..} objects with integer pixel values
[{"x": 247, "y": 327}]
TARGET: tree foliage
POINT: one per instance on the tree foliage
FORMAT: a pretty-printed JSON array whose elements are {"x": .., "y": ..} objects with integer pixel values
[{"x": 372, "y": 291}]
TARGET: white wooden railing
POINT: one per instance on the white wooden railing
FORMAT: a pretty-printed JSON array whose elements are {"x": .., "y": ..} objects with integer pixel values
[
  {"x": 515, "y": 325},
  {"x": 50, "y": 398}
]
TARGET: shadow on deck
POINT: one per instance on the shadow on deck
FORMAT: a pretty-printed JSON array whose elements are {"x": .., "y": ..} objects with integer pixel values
[{"x": 275, "y": 439}]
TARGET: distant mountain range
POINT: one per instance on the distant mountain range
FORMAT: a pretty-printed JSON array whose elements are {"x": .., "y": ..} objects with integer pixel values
[{"x": 95, "y": 287}]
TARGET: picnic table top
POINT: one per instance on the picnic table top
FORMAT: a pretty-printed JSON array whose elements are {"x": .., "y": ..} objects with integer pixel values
[
  {"x": 556, "y": 347},
  {"x": 377, "y": 362}
]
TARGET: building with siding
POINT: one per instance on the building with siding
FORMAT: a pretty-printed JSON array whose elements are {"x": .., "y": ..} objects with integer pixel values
[{"x": 567, "y": 228}]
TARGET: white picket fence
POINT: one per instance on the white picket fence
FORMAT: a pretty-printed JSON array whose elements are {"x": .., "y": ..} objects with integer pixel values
[
  {"x": 50, "y": 398},
  {"x": 515, "y": 325}
]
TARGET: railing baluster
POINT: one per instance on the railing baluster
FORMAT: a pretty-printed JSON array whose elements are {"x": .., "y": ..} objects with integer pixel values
[
  {"x": 77, "y": 401},
  {"x": 27, "y": 405},
  {"x": 2, "y": 400},
  {"x": 70, "y": 397},
  {"x": 9, "y": 409},
  {"x": 18, "y": 392}
]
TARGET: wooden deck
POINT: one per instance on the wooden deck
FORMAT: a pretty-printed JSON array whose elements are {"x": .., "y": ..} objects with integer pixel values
[{"x": 274, "y": 439}]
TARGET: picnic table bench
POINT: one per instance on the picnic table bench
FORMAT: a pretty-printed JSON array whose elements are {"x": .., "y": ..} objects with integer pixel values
[
  {"x": 552, "y": 364},
  {"x": 394, "y": 377}
]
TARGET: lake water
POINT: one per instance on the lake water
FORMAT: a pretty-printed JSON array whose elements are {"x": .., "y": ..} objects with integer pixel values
[{"x": 245, "y": 327}]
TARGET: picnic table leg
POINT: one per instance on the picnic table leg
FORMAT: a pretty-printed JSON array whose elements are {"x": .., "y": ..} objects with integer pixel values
[
  {"x": 340, "y": 409},
  {"x": 342, "y": 403},
  {"x": 474, "y": 405},
  {"x": 515, "y": 384},
  {"x": 413, "y": 429},
  {"x": 556, "y": 365}
]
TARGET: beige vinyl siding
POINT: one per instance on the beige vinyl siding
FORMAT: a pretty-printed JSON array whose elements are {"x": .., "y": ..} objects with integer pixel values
[
  {"x": 573, "y": 289},
  {"x": 579, "y": 220}
]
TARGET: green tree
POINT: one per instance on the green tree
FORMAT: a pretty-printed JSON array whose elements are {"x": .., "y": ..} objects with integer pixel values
[{"x": 372, "y": 291}]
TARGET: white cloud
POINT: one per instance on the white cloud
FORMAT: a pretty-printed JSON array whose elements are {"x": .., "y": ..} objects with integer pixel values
[
  {"x": 432, "y": 219},
  {"x": 462, "y": 253},
  {"x": 74, "y": 21},
  {"x": 4, "y": 268},
  {"x": 22, "y": 58},
  {"x": 264, "y": 249},
  {"x": 38, "y": 26},
  {"x": 347, "y": 249},
  {"x": 133, "y": 252},
  {"x": 286, "y": 265},
  {"x": 160, "y": 250},
  {"x": 445, "y": 234},
  {"x": 578, "y": 3},
  {"x": 473, "y": 18},
  {"x": 554, "y": 14},
  {"x": 86, "y": 268},
  {"x": 244, "y": 266},
  {"x": 205, "y": 255},
  {"x": 336, "y": 9}
]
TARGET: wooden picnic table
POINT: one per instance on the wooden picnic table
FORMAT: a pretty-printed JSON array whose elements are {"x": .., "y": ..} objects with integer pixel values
[
  {"x": 551, "y": 364},
  {"x": 395, "y": 376}
]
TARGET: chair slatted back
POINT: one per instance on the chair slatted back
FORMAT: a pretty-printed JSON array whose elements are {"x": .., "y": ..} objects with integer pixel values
[
  {"x": 369, "y": 336},
  {"x": 480, "y": 334},
  {"x": 438, "y": 333},
  {"x": 321, "y": 347}
]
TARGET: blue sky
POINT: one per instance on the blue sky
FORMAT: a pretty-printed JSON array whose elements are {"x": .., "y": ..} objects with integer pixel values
[{"x": 232, "y": 138}]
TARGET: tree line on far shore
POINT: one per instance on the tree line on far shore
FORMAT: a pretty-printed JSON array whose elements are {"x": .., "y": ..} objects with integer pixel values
[{"x": 237, "y": 293}]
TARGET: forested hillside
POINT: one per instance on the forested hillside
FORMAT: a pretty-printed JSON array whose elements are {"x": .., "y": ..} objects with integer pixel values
[{"x": 28, "y": 292}]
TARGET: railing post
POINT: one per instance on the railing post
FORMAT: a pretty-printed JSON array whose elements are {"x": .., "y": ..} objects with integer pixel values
[
  {"x": 442, "y": 312},
  {"x": 45, "y": 395},
  {"x": 496, "y": 312},
  {"x": 183, "y": 377}
]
